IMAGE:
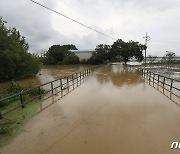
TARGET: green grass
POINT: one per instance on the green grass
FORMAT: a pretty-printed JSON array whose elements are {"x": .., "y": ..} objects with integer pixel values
[{"x": 12, "y": 123}]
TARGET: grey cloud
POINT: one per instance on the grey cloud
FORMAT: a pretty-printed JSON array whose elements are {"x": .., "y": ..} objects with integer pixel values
[
  {"x": 33, "y": 21},
  {"x": 160, "y": 18}
]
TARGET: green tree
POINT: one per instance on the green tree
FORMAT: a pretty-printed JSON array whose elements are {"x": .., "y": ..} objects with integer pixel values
[
  {"x": 151, "y": 58},
  {"x": 127, "y": 50},
  {"x": 15, "y": 61},
  {"x": 101, "y": 54},
  {"x": 169, "y": 56},
  {"x": 58, "y": 54},
  {"x": 71, "y": 59}
]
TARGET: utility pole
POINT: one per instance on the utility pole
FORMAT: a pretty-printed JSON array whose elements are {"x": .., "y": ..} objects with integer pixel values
[{"x": 147, "y": 38}]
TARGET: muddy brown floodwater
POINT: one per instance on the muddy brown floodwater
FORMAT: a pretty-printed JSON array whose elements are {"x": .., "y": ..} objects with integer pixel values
[
  {"x": 49, "y": 73},
  {"x": 114, "y": 112}
]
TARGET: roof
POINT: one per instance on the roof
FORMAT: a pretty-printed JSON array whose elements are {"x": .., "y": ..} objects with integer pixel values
[{"x": 85, "y": 50}]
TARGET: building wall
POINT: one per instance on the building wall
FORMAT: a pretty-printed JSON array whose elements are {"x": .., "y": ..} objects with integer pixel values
[{"x": 84, "y": 55}]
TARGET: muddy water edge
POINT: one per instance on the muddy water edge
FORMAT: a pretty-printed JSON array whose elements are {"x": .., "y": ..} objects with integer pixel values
[
  {"x": 114, "y": 111},
  {"x": 49, "y": 73}
]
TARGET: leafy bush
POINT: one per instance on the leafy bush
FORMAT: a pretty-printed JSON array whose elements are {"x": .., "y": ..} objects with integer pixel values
[
  {"x": 15, "y": 61},
  {"x": 58, "y": 54},
  {"x": 71, "y": 59}
]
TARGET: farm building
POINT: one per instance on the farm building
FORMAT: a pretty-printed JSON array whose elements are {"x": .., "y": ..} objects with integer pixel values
[{"x": 83, "y": 54}]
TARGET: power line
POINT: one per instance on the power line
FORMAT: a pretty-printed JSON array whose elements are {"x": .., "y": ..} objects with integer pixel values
[
  {"x": 77, "y": 10},
  {"x": 71, "y": 19}
]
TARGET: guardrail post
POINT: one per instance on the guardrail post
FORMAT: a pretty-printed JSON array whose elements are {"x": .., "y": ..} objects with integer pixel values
[
  {"x": 1, "y": 116},
  {"x": 77, "y": 78},
  {"x": 149, "y": 77},
  {"x": 171, "y": 84},
  {"x": 144, "y": 73},
  {"x": 73, "y": 80},
  {"x": 80, "y": 77},
  {"x": 52, "y": 89},
  {"x": 83, "y": 76},
  {"x": 22, "y": 102},
  {"x": 153, "y": 79},
  {"x": 61, "y": 87},
  {"x": 67, "y": 84},
  {"x": 158, "y": 80},
  {"x": 39, "y": 90},
  {"x": 61, "y": 84},
  {"x": 164, "y": 81}
]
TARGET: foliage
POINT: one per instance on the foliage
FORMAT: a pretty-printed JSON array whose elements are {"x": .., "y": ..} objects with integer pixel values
[
  {"x": 15, "y": 61},
  {"x": 58, "y": 54},
  {"x": 71, "y": 59},
  {"x": 151, "y": 58},
  {"x": 100, "y": 55},
  {"x": 128, "y": 50},
  {"x": 119, "y": 51},
  {"x": 169, "y": 56}
]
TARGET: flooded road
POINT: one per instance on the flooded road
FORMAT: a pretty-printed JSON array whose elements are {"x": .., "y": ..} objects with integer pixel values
[{"x": 115, "y": 111}]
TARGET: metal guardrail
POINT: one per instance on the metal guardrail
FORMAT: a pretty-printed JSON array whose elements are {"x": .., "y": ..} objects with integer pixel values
[
  {"x": 62, "y": 83},
  {"x": 160, "y": 79}
]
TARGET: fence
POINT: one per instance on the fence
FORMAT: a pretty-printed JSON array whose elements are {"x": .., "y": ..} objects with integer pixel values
[
  {"x": 50, "y": 88},
  {"x": 166, "y": 83}
]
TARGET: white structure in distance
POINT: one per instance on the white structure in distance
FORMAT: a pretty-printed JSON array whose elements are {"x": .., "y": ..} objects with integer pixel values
[{"x": 83, "y": 54}]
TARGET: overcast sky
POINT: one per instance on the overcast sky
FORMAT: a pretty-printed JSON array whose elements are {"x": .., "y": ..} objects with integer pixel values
[{"x": 125, "y": 19}]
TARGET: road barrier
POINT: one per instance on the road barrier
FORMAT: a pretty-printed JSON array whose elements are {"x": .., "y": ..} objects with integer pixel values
[
  {"x": 50, "y": 88},
  {"x": 166, "y": 83}
]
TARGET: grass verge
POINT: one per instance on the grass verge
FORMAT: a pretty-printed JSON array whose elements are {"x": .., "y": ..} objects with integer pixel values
[{"x": 12, "y": 123}]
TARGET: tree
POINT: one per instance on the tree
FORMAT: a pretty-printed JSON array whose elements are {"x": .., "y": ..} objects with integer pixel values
[
  {"x": 71, "y": 59},
  {"x": 101, "y": 54},
  {"x": 58, "y": 54},
  {"x": 169, "y": 56},
  {"x": 15, "y": 61},
  {"x": 151, "y": 58},
  {"x": 127, "y": 50}
]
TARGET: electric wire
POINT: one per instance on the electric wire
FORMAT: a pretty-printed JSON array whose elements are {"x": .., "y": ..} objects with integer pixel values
[
  {"x": 77, "y": 10},
  {"x": 71, "y": 19}
]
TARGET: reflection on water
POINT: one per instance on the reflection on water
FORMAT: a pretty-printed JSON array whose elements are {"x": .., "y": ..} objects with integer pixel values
[
  {"x": 49, "y": 99},
  {"x": 50, "y": 73},
  {"x": 172, "y": 95},
  {"x": 119, "y": 75}
]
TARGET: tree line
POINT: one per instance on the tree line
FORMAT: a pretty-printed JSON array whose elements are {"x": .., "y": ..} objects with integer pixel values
[
  {"x": 118, "y": 51},
  {"x": 17, "y": 63}
]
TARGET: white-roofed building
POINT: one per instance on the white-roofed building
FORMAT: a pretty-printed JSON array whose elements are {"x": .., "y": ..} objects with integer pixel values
[{"x": 83, "y": 54}]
